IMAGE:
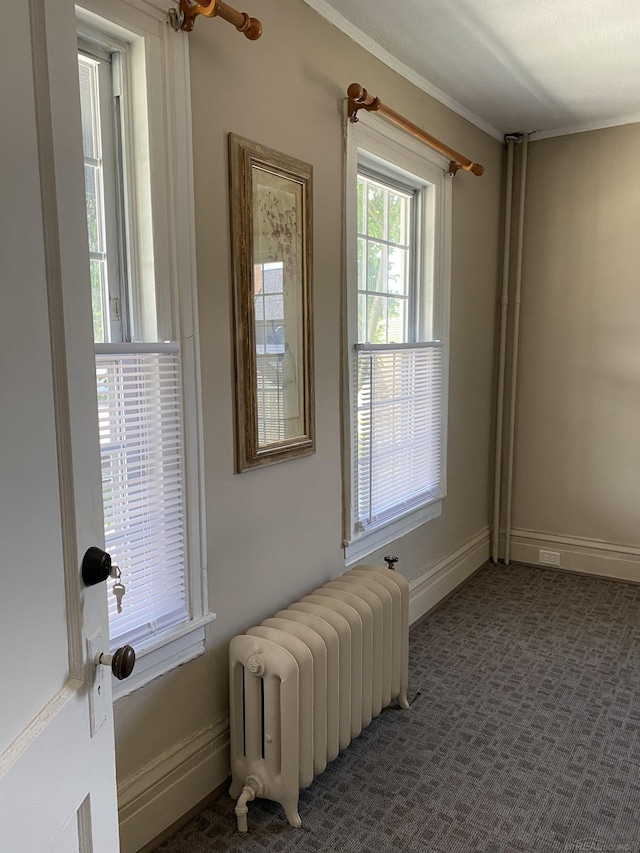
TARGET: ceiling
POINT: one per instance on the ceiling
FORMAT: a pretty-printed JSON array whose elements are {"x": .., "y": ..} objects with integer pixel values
[{"x": 542, "y": 66}]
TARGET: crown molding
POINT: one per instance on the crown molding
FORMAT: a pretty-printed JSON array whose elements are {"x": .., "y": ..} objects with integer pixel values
[
  {"x": 584, "y": 128},
  {"x": 330, "y": 14}
]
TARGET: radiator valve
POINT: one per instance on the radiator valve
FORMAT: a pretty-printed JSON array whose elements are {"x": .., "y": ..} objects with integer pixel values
[
  {"x": 391, "y": 561},
  {"x": 255, "y": 664},
  {"x": 253, "y": 788}
]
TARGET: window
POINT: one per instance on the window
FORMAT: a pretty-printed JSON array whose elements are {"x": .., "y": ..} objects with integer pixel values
[
  {"x": 102, "y": 147},
  {"x": 142, "y": 290},
  {"x": 274, "y": 364},
  {"x": 385, "y": 255},
  {"x": 398, "y": 225}
]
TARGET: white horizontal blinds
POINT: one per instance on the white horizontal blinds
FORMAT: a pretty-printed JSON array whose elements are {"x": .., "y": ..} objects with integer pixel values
[
  {"x": 270, "y": 390},
  {"x": 397, "y": 435},
  {"x": 141, "y": 449}
]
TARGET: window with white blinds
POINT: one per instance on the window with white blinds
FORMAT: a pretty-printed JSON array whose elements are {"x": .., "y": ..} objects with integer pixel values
[
  {"x": 398, "y": 227},
  {"x": 143, "y": 288},
  {"x": 397, "y": 438},
  {"x": 141, "y": 453}
]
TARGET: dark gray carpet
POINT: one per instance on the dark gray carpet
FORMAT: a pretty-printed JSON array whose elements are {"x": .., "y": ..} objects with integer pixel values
[{"x": 524, "y": 735}]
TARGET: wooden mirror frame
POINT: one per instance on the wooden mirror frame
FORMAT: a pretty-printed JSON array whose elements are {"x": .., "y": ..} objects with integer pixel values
[{"x": 247, "y": 161}]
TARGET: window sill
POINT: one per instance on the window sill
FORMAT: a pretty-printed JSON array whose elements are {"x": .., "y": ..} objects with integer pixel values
[
  {"x": 162, "y": 655},
  {"x": 371, "y": 540}
]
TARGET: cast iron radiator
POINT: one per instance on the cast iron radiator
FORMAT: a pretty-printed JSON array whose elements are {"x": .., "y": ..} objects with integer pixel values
[{"x": 305, "y": 682}]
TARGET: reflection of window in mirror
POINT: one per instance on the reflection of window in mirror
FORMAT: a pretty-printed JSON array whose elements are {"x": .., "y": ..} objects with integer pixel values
[
  {"x": 269, "y": 308},
  {"x": 268, "y": 299},
  {"x": 277, "y": 387},
  {"x": 271, "y": 236}
]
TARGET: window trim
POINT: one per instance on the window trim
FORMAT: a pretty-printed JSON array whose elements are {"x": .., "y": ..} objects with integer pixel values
[
  {"x": 164, "y": 146},
  {"x": 371, "y": 144}
]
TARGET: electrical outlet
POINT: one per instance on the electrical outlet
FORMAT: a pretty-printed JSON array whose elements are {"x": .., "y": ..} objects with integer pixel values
[{"x": 549, "y": 558}]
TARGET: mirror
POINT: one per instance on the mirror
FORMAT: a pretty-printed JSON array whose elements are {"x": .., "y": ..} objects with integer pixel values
[{"x": 271, "y": 251}]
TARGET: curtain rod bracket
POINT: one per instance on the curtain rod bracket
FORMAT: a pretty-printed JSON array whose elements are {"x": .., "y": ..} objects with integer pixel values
[
  {"x": 183, "y": 18},
  {"x": 175, "y": 18},
  {"x": 360, "y": 99}
]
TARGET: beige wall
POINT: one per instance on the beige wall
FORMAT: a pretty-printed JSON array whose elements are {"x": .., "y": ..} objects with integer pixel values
[
  {"x": 275, "y": 534},
  {"x": 578, "y": 439}
]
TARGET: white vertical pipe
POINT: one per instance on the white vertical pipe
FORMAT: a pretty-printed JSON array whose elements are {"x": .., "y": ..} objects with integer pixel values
[
  {"x": 504, "y": 303},
  {"x": 514, "y": 362}
]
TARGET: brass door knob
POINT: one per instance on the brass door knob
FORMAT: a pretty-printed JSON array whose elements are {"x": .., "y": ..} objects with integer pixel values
[{"x": 121, "y": 662}]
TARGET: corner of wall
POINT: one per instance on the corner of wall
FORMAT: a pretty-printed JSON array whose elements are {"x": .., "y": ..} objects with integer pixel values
[{"x": 441, "y": 578}]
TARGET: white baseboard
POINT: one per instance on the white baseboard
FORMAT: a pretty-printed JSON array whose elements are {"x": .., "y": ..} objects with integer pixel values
[
  {"x": 587, "y": 556},
  {"x": 439, "y": 579},
  {"x": 162, "y": 792}
]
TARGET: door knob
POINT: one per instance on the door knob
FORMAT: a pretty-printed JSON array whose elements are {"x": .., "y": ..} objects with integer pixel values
[{"x": 121, "y": 661}]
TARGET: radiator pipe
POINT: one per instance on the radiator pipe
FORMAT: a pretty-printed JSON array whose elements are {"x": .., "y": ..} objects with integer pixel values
[
  {"x": 242, "y": 810},
  {"x": 504, "y": 305},
  {"x": 514, "y": 362}
]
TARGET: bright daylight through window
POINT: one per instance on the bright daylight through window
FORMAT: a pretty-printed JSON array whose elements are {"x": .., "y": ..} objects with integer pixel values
[
  {"x": 398, "y": 326},
  {"x": 140, "y": 374},
  {"x": 139, "y": 399}
]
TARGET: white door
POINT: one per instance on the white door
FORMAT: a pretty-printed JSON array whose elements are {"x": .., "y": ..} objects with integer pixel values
[{"x": 57, "y": 768}]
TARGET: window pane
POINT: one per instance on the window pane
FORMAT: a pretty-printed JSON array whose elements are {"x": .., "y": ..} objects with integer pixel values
[
  {"x": 375, "y": 211},
  {"x": 94, "y": 197},
  {"x": 259, "y": 308},
  {"x": 86, "y": 72},
  {"x": 398, "y": 271},
  {"x": 396, "y": 321},
  {"x": 362, "y": 265},
  {"x": 376, "y": 267},
  {"x": 97, "y": 299},
  {"x": 91, "y": 179},
  {"x": 395, "y": 214},
  {"x": 362, "y": 318},
  {"x": 274, "y": 309},
  {"x": 376, "y": 320},
  {"x": 361, "y": 191},
  {"x": 399, "y": 209},
  {"x": 269, "y": 308},
  {"x": 106, "y": 205},
  {"x": 273, "y": 278}
]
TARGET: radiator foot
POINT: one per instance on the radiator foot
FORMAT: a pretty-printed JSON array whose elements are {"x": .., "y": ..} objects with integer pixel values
[
  {"x": 242, "y": 810},
  {"x": 291, "y": 811},
  {"x": 403, "y": 700}
]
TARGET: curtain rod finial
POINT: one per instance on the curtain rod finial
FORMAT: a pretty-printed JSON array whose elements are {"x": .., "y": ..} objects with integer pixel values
[{"x": 184, "y": 17}]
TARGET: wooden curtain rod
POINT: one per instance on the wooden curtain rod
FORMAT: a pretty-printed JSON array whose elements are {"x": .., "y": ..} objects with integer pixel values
[
  {"x": 360, "y": 99},
  {"x": 184, "y": 17}
]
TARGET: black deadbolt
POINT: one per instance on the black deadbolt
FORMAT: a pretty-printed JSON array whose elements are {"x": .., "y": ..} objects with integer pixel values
[{"x": 96, "y": 566}]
